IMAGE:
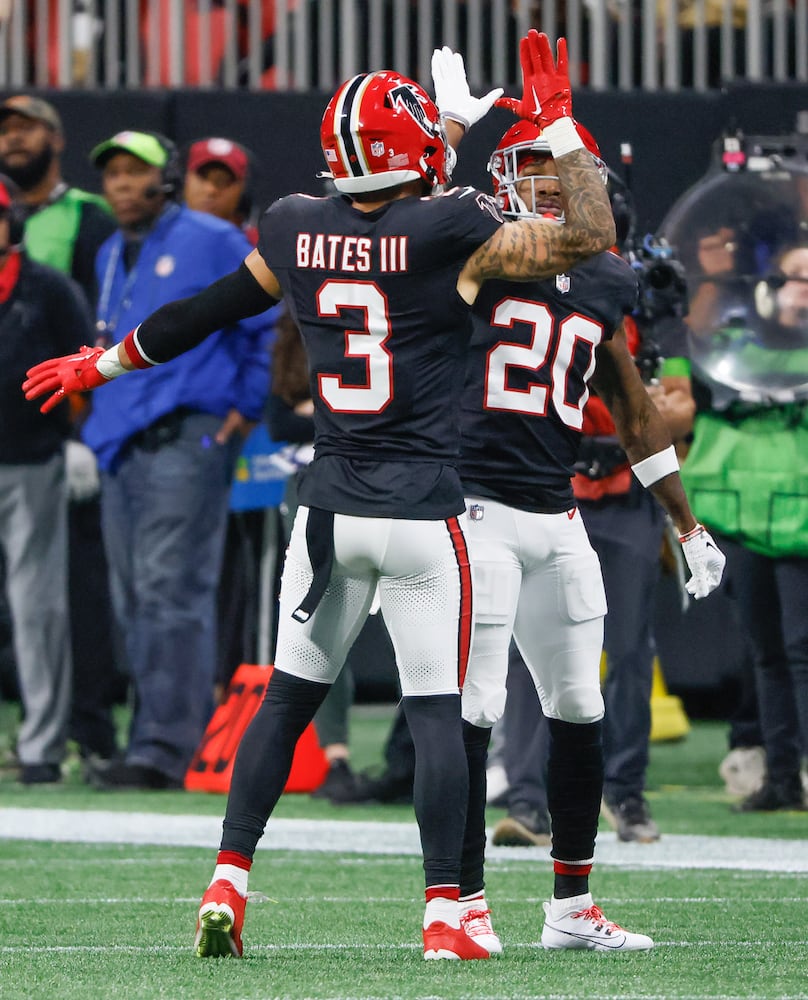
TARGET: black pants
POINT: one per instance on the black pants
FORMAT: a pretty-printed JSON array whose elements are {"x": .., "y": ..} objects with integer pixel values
[
  {"x": 772, "y": 596},
  {"x": 527, "y": 740},
  {"x": 98, "y": 680},
  {"x": 626, "y": 532}
]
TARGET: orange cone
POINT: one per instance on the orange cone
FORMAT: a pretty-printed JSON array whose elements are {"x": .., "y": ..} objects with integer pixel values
[{"x": 212, "y": 766}]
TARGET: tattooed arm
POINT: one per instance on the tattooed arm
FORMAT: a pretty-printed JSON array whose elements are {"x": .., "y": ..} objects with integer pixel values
[
  {"x": 531, "y": 248},
  {"x": 528, "y": 249}
]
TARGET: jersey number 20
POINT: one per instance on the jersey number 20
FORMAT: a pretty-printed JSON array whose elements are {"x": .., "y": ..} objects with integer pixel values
[{"x": 553, "y": 348}]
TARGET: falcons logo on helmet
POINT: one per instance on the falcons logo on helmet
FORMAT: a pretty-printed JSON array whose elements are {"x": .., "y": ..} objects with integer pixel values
[{"x": 405, "y": 96}]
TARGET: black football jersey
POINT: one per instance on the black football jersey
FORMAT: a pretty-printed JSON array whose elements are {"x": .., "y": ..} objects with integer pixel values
[
  {"x": 386, "y": 334},
  {"x": 532, "y": 355}
]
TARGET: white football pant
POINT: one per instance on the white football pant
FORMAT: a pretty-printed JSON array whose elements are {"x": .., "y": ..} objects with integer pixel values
[
  {"x": 538, "y": 577},
  {"x": 424, "y": 590}
]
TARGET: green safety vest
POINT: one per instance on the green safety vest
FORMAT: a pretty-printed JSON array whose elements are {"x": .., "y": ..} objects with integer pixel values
[
  {"x": 50, "y": 233},
  {"x": 746, "y": 476}
]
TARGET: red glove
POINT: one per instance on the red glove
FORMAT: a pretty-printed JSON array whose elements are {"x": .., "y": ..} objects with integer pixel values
[
  {"x": 72, "y": 373},
  {"x": 546, "y": 92}
]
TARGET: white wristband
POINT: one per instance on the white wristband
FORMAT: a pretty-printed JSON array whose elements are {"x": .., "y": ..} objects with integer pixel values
[
  {"x": 562, "y": 136},
  {"x": 650, "y": 470},
  {"x": 109, "y": 365}
]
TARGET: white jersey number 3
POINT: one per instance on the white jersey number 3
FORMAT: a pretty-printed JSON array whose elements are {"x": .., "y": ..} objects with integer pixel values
[
  {"x": 373, "y": 395},
  {"x": 547, "y": 349}
]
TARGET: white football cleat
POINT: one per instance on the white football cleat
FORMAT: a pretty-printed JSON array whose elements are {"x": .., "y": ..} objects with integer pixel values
[
  {"x": 476, "y": 922},
  {"x": 578, "y": 923}
]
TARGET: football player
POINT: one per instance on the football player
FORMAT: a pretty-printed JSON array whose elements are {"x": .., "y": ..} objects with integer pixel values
[
  {"x": 380, "y": 281},
  {"x": 535, "y": 350}
]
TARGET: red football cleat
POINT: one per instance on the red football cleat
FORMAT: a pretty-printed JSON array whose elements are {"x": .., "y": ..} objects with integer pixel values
[
  {"x": 443, "y": 941},
  {"x": 221, "y": 918}
]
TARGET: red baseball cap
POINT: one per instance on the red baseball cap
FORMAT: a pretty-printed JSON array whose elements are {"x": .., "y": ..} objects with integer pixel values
[{"x": 223, "y": 151}]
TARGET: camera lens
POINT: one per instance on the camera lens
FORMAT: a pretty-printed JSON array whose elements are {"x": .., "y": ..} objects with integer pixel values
[{"x": 660, "y": 277}]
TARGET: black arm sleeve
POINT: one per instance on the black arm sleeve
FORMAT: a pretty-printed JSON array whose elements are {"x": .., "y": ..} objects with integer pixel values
[{"x": 178, "y": 326}]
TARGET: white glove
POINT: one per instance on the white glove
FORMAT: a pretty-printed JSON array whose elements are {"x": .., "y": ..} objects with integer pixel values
[
  {"x": 81, "y": 470},
  {"x": 705, "y": 561},
  {"x": 452, "y": 94}
]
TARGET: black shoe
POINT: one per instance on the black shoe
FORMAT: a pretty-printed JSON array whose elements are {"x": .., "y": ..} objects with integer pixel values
[
  {"x": 391, "y": 789},
  {"x": 96, "y": 756},
  {"x": 40, "y": 774},
  {"x": 772, "y": 796},
  {"x": 122, "y": 775},
  {"x": 631, "y": 818},
  {"x": 522, "y": 829},
  {"x": 387, "y": 788},
  {"x": 339, "y": 786},
  {"x": 94, "y": 763}
]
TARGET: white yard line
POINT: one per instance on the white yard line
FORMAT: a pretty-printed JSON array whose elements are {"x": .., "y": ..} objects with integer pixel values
[{"x": 348, "y": 836}]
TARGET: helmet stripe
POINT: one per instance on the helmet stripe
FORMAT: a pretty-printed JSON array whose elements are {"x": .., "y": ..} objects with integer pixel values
[{"x": 348, "y": 118}]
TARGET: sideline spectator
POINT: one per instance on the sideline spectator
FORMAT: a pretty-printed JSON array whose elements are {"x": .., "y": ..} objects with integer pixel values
[
  {"x": 41, "y": 311},
  {"x": 166, "y": 445},
  {"x": 218, "y": 182},
  {"x": 64, "y": 227},
  {"x": 626, "y": 526},
  {"x": 526, "y": 748},
  {"x": 753, "y": 450}
]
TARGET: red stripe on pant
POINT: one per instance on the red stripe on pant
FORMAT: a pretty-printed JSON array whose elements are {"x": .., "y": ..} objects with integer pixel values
[{"x": 465, "y": 620}]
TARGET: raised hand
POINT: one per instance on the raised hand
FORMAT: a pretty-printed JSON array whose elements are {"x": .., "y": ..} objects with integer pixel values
[
  {"x": 705, "y": 561},
  {"x": 452, "y": 94},
  {"x": 546, "y": 92},
  {"x": 71, "y": 373}
]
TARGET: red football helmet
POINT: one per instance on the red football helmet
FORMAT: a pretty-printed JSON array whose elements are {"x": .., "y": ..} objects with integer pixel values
[
  {"x": 524, "y": 143},
  {"x": 381, "y": 129}
]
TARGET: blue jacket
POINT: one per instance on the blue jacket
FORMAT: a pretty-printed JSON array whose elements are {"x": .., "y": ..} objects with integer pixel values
[{"x": 182, "y": 254}]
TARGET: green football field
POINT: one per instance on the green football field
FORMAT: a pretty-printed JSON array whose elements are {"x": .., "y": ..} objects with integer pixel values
[{"x": 100, "y": 890}]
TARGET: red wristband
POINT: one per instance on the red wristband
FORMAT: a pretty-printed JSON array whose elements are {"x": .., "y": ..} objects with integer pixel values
[
  {"x": 133, "y": 352},
  {"x": 689, "y": 535}
]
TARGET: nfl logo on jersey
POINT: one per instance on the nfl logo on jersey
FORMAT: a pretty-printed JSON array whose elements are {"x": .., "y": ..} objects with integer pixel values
[
  {"x": 377, "y": 148},
  {"x": 476, "y": 511},
  {"x": 563, "y": 283}
]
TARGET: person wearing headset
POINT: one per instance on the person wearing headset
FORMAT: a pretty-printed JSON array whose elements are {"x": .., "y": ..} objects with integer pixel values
[
  {"x": 41, "y": 310},
  {"x": 166, "y": 448},
  {"x": 218, "y": 180}
]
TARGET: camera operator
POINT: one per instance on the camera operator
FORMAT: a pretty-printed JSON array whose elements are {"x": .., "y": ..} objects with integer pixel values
[
  {"x": 626, "y": 525},
  {"x": 754, "y": 449},
  {"x": 743, "y": 235}
]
